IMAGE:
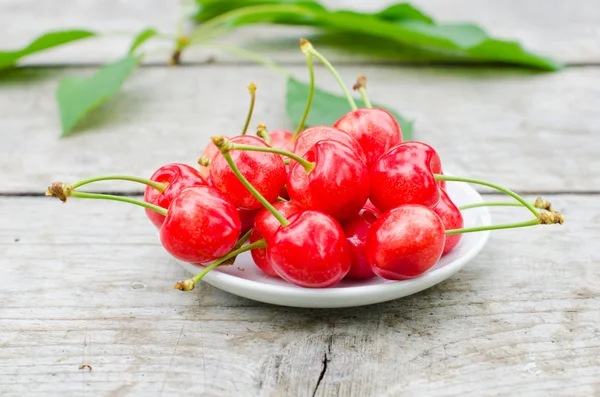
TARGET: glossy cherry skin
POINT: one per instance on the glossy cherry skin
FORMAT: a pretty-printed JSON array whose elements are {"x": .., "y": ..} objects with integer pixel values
[
  {"x": 404, "y": 175},
  {"x": 307, "y": 139},
  {"x": 405, "y": 242},
  {"x": 201, "y": 225},
  {"x": 265, "y": 171},
  {"x": 282, "y": 139},
  {"x": 311, "y": 251},
  {"x": 338, "y": 184},
  {"x": 376, "y": 130},
  {"x": 451, "y": 218},
  {"x": 356, "y": 230},
  {"x": 266, "y": 223},
  {"x": 178, "y": 176}
]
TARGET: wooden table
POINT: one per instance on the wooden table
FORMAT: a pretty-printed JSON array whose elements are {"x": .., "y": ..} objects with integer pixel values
[{"x": 88, "y": 283}]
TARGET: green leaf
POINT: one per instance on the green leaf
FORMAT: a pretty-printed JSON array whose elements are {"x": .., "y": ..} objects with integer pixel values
[
  {"x": 401, "y": 24},
  {"x": 327, "y": 108},
  {"x": 141, "y": 38},
  {"x": 44, "y": 42},
  {"x": 78, "y": 96}
]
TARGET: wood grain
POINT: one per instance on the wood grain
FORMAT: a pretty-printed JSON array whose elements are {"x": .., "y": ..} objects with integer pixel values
[
  {"x": 88, "y": 283},
  {"x": 557, "y": 29},
  {"x": 527, "y": 131}
]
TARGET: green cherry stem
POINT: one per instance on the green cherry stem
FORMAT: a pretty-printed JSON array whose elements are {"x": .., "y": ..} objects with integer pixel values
[
  {"x": 308, "y": 48},
  {"x": 252, "y": 91},
  {"x": 223, "y": 144},
  {"x": 514, "y": 195},
  {"x": 190, "y": 283},
  {"x": 361, "y": 87},
  {"x": 261, "y": 131},
  {"x": 64, "y": 191},
  {"x": 311, "y": 91},
  {"x": 157, "y": 185},
  {"x": 308, "y": 166},
  {"x": 538, "y": 203},
  {"x": 532, "y": 222},
  {"x": 490, "y": 204}
]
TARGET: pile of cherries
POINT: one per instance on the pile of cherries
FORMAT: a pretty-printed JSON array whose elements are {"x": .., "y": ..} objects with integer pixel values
[{"x": 326, "y": 203}]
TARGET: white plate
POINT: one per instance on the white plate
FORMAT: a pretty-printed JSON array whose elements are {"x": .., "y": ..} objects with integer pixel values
[{"x": 246, "y": 280}]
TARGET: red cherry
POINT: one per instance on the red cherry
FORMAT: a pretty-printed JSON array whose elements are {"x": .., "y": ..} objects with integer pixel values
[
  {"x": 266, "y": 224},
  {"x": 282, "y": 139},
  {"x": 265, "y": 171},
  {"x": 376, "y": 130},
  {"x": 178, "y": 176},
  {"x": 312, "y": 135},
  {"x": 247, "y": 218},
  {"x": 201, "y": 225},
  {"x": 404, "y": 175},
  {"x": 210, "y": 151},
  {"x": 405, "y": 242},
  {"x": 451, "y": 218},
  {"x": 338, "y": 184},
  {"x": 356, "y": 230},
  {"x": 311, "y": 251}
]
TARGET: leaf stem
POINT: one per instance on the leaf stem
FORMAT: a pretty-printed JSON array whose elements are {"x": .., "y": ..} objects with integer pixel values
[
  {"x": 311, "y": 92},
  {"x": 308, "y": 166},
  {"x": 514, "y": 195},
  {"x": 156, "y": 185},
  {"x": 100, "y": 196},
  {"x": 532, "y": 222},
  {"x": 311, "y": 50},
  {"x": 252, "y": 91},
  {"x": 222, "y": 144},
  {"x": 261, "y": 131}
]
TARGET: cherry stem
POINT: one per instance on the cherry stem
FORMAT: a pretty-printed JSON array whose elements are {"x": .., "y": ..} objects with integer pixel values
[
  {"x": 223, "y": 144},
  {"x": 538, "y": 203},
  {"x": 190, "y": 283},
  {"x": 100, "y": 196},
  {"x": 514, "y": 195},
  {"x": 361, "y": 87},
  {"x": 157, "y": 185},
  {"x": 261, "y": 131},
  {"x": 308, "y": 48},
  {"x": 311, "y": 90},
  {"x": 532, "y": 222},
  {"x": 252, "y": 91},
  {"x": 308, "y": 166}
]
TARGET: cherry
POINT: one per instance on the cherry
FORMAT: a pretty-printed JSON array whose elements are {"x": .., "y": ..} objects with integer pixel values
[
  {"x": 266, "y": 224},
  {"x": 210, "y": 151},
  {"x": 338, "y": 184},
  {"x": 312, "y": 135},
  {"x": 405, "y": 242},
  {"x": 310, "y": 251},
  {"x": 451, "y": 218},
  {"x": 356, "y": 230},
  {"x": 247, "y": 218},
  {"x": 176, "y": 177},
  {"x": 376, "y": 130},
  {"x": 201, "y": 225},
  {"x": 282, "y": 139},
  {"x": 404, "y": 175},
  {"x": 265, "y": 171}
]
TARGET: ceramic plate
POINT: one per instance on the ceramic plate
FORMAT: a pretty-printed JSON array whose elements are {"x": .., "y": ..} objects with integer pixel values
[{"x": 246, "y": 280}]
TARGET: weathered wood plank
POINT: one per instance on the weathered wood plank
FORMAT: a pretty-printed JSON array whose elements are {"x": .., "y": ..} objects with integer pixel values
[
  {"x": 558, "y": 29},
  {"x": 88, "y": 283},
  {"x": 528, "y": 131}
]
